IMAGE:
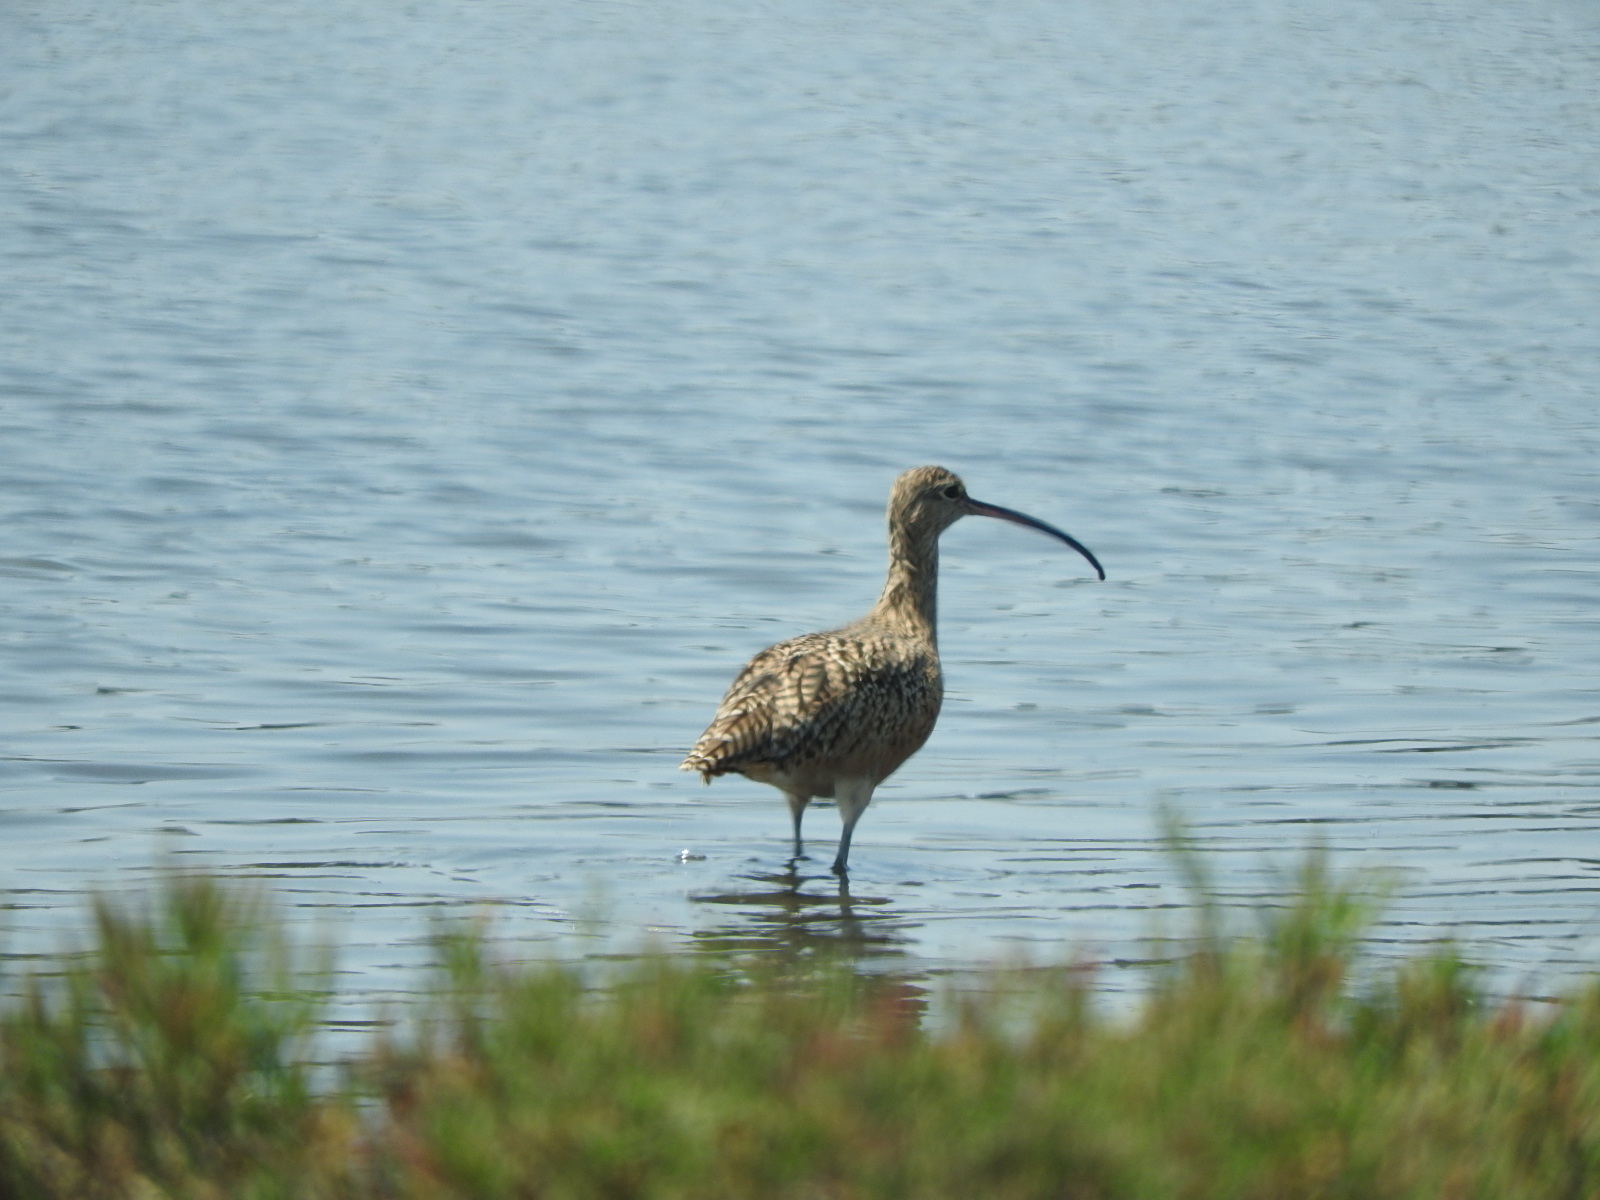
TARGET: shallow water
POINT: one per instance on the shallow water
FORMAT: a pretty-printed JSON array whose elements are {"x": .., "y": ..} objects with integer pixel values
[{"x": 412, "y": 417}]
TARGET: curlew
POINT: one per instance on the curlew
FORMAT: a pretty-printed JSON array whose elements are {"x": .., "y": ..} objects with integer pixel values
[{"x": 835, "y": 714}]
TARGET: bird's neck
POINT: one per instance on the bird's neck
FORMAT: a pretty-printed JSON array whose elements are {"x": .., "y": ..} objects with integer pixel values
[{"x": 910, "y": 594}]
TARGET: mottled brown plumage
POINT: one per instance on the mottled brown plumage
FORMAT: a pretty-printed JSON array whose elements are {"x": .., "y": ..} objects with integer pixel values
[{"x": 835, "y": 714}]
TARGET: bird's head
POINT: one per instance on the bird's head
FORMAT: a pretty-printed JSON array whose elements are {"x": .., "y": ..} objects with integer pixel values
[
  {"x": 925, "y": 501},
  {"x": 928, "y": 500}
]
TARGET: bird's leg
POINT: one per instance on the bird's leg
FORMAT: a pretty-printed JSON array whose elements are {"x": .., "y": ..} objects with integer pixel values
[
  {"x": 853, "y": 796},
  {"x": 797, "y": 809}
]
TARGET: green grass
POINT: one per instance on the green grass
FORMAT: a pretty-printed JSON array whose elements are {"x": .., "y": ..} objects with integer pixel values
[{"x": 171, "y": 1061}]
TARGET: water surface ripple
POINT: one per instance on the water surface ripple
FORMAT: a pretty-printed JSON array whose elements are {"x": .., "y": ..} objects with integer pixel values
[{"x": 412, "y": 416}]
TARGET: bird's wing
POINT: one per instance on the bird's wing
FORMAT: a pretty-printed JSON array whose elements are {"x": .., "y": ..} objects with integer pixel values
[{"x": 791, "y": 694}]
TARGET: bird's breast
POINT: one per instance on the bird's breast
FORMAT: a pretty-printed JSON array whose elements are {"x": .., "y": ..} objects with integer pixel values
[
  {"x": 865, "y": 721},
  {"x": 854, "y": 702}
]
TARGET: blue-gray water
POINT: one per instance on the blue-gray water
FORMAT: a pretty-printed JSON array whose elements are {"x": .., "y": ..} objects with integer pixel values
[{"x": 411, "y": 416}]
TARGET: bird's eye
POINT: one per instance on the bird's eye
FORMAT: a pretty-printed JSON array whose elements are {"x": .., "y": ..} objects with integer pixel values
[{"x": 953, "y": 492}]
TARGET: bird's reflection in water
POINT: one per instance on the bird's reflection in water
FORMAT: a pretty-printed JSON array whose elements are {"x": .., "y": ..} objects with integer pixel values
[{"x": 792, "y": 914}]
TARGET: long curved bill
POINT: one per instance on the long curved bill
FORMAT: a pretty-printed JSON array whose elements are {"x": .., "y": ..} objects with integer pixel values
[{"x": 979, "y": 509}]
